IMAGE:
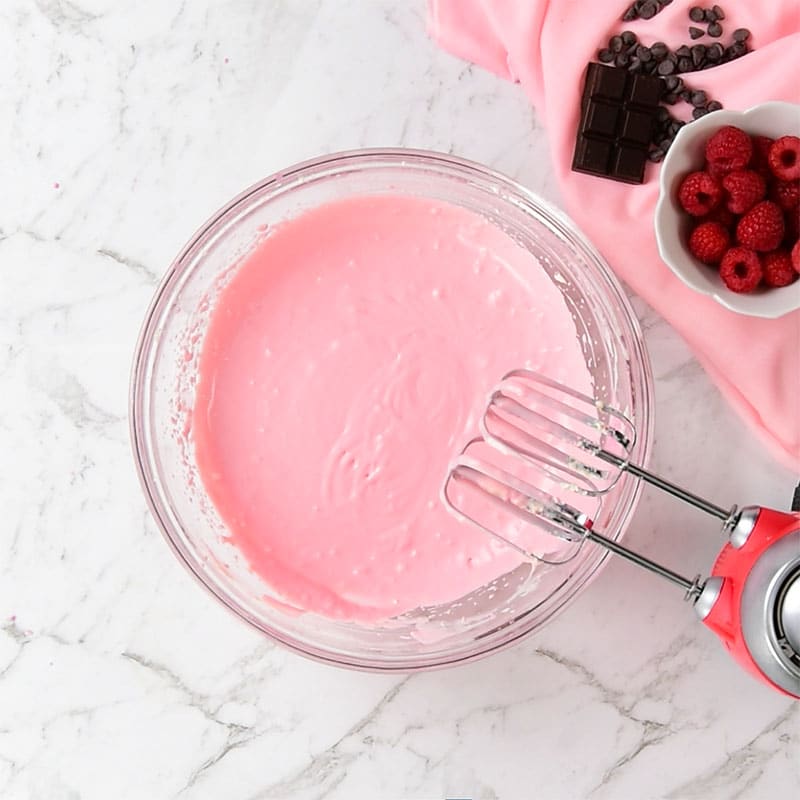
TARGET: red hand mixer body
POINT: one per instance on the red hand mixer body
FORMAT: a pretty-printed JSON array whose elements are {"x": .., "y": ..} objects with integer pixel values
[
  {"x": 579, "y": 446},
  {"x": 752, "y": 598}
]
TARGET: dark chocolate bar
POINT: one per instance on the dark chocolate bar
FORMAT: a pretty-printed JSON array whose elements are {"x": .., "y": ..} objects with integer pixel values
[{"x": 618, "y": 111}]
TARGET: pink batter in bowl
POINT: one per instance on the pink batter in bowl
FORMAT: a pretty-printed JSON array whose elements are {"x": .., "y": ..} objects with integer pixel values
[{"x": 169, "y": 388}]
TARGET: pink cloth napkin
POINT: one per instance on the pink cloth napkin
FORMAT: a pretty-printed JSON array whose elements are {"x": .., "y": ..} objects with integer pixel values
[{"x": 545, "y": 45}]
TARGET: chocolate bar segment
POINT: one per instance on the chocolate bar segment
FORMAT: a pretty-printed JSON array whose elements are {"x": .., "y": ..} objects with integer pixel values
[{"x": 618, "y": 112}]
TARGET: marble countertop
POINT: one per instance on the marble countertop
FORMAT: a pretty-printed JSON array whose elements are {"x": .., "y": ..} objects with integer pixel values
[{"x": 123, "y": 126}]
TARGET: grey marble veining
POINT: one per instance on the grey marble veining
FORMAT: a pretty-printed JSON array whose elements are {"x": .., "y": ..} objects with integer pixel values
[{"x": 123, "y": 126}]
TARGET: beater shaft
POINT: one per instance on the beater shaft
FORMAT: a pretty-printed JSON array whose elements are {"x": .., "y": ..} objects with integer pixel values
[
  {"x": 692, "y": 587},
  {"x": 667, "y": 486}
]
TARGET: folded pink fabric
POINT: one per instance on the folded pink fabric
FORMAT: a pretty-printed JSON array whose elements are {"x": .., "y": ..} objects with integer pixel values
[{"x": 545, "y": 45}]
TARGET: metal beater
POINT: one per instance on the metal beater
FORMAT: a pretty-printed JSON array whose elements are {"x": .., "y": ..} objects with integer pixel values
[{"x": 559, "y": 451}]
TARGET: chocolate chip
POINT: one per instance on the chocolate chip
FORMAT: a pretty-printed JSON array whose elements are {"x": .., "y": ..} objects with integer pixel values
[
  {"x": 659, "y": 50},
  {"x": 670, "y": 98},
  {"x": 699, "y": 112},
  {"x": 683, "y": 51},
  {"x": 686, "y": 96},
  {"x": 696, "y": 14},
  {"x": 719, "y": 12},
  {"x": 699, "y": 99},
  {"x": 738, "y": 50},
  {"x": 615, "y": 44},
  {"x": 741, "y": 35},
  {"x": 685, "y": 65},
  {"x": 714, "y": 53},
  {"x": 675, "y": 126},
  {"x": 671, "y": 83},
  {"x": 662, "y": 114},
  {"x": 698, "y": 55},
  {"x": 714, "y": 105},
  {"x": 695, "y": 33},
  {"x": 656, "y": 155},
  {"x": 666, "y": 68},
  {"x": 648, "y": 10},
  {"x": 605, "y": 56},
  {"x": 622, "y": 60},
  {"x": 710, "y": 15},
  {"x": 630, "y": 14},
  {"x": 715, "y": 30},
  {"x": 628, "y": 38}
]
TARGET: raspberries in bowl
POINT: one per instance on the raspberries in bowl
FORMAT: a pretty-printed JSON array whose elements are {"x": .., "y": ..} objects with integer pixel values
[{"x": 728, "y": 217}]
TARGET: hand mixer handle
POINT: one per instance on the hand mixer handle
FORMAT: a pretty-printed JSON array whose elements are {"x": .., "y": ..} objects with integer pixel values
[{"x": 752, "y": 599}]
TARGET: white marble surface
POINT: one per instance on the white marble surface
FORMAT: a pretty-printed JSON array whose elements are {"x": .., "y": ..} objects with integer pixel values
[{"x": 122, "y": 126}]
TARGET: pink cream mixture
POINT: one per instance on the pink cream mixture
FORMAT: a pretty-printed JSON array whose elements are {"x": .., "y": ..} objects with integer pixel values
[{"x": 345, "y": 364}]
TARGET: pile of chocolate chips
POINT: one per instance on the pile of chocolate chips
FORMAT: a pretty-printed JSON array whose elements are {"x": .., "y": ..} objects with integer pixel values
[{"x": 626, "y": 51}]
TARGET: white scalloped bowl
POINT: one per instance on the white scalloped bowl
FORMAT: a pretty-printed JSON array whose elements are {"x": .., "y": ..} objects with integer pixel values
[{"x": 672, "y": 225}]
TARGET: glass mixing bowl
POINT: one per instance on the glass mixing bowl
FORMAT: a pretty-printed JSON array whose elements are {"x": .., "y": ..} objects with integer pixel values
[{"x": 164, "y": 374}]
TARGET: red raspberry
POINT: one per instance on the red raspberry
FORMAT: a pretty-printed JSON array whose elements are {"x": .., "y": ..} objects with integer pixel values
[
  {"x": 709, "y": 241},
  {"x": 784, "y": 158},
  {"x": 760, "y": 158},
  {"x": 745, "y": 188},
  {"x": 761, "y": 228},
  {"x": 740, "y": 270},
  {"x": 699, "y": 194},
  {"x": 729, "y": 148},
  {"x": 796, "y": 257},
  {"x": 778, "y": 269},
  {"x": 786, "y": 194}
]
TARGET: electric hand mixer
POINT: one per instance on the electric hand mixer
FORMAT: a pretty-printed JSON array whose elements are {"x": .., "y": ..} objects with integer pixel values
[{"x": 578, "y": 448}]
